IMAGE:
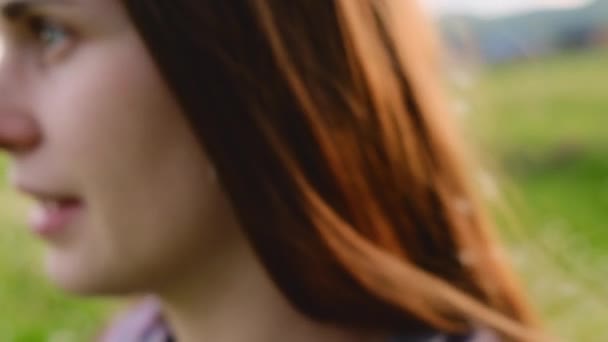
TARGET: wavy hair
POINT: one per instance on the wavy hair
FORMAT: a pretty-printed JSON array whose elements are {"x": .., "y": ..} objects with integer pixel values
[{"x": 326, "y": 124}]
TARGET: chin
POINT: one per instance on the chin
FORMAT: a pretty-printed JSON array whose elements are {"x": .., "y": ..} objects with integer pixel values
[{"x": 75, "y": 276}]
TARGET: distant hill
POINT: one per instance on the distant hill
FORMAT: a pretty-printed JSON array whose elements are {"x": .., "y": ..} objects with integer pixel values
[{"x": 519, "y": 36}]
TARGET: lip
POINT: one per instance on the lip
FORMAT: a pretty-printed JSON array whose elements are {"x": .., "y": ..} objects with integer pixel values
[
  {"x": 53, "y": 211},
  {"x": 49, "y": 219}
]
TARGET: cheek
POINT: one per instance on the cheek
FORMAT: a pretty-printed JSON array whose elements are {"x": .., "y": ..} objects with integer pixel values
[
  {"x": 109, "y": 117},
  {"x": 123, "y": 141},
  {"x": 108, "y": 96}
]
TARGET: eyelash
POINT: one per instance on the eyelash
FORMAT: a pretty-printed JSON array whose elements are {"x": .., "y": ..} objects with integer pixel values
[{"x": 43, "y": 30}]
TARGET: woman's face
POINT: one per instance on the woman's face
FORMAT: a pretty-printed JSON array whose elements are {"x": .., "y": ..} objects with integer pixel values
[{"x": 126, "y": 196}]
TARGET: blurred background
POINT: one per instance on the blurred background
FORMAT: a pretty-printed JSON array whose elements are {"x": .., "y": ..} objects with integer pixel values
[{"x": 527, "y": 79}]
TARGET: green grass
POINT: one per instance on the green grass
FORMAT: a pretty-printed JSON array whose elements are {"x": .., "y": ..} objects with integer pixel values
[
  {"x": 543, "y": 121},
  {"x": 545, "y": 103}
]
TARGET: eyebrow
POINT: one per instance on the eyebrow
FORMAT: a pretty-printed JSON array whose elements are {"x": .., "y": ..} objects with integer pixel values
[{"x": 15, "y": 9}]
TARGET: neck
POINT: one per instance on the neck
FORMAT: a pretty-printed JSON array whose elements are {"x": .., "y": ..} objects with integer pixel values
[{"x": 231, "y": 298}]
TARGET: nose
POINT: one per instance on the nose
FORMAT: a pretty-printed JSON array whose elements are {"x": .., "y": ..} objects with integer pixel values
[{"x": 18, "y": 132}]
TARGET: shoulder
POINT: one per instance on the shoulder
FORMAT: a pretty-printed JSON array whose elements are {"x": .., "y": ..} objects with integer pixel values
[
  {"x": 141, "y": 323},
  {"x": 479, "y": 335}
]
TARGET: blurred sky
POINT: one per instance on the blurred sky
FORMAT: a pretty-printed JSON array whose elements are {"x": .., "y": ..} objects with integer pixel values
[{"x": 492, "y": 8}]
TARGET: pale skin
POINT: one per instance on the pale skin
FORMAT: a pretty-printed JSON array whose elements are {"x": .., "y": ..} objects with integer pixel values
[{"x": 84, "y": 114}]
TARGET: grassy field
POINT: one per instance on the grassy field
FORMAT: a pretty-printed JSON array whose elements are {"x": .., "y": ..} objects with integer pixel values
[{"x": 543, "y": 122}]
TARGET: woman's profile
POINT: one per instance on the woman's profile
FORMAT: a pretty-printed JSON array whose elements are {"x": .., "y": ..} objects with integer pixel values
[{"x": 266, "y": 170}]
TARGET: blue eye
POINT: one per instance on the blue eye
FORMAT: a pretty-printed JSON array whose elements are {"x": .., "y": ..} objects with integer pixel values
[
  {"x": 52, "y": 35},
  {"x": 48, "y": 32}
]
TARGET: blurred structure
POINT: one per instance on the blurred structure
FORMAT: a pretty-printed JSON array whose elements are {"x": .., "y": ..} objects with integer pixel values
[{"x": 527, "y": 35}]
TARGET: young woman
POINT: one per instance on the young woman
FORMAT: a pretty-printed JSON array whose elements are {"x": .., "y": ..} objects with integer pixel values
[{"x": 268, "y": 170}]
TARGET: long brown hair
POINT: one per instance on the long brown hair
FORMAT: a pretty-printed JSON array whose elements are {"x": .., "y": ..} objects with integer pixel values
[{"x": 326, "y": 123}]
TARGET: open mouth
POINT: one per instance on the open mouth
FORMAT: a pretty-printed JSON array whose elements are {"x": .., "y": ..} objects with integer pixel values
[{"x": 51, "y": 216}]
